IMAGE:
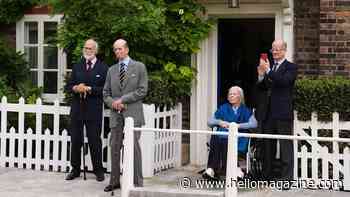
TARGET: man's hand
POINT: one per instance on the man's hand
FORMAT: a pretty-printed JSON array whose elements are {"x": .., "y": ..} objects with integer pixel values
[
  {"x": 263, "y": 67},
  {"x": 118, "y": 105},
  {"x": 82, "y": 89},
  {"x": 224, "y": 124}
]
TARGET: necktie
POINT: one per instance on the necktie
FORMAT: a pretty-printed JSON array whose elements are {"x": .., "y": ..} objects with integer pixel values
[
  {"x": 88, "y": 65},
  {"x": 275, "y": 66},
  {"x": 122, "y": 73}
]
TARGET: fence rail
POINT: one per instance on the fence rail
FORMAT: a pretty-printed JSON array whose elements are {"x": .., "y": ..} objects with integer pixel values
[
  {"x": 48, "y": 149},
  {"x": 232, "y": 154}
]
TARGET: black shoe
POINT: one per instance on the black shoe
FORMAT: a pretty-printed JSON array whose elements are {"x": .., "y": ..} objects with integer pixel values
[
  {"x": 72, "y": 175},
  {"x": 100, "y": 176},
  {"x": 109, "y": 188}
]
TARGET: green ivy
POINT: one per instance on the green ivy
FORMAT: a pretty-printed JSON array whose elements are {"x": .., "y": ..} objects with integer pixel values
[
  {"x": 170, "y": 85},
  {"x": 12, "y": 10},
  {"x": 324, "y": 96},
  {"x": 15, "y": 81},
  {"x": 157, "y": 31}
]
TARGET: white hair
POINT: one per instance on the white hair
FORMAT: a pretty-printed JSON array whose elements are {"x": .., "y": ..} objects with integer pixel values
[
  {"x": 240, "y": 90},
  {"x": 94, "y": 41}
]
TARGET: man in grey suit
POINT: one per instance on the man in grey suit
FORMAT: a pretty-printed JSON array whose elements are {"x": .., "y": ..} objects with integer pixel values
[{"x": 125, "y": 87}]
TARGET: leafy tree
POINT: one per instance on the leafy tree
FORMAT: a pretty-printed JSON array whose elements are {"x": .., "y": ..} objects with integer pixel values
[
  {"x": 158, "y": 32},
  {"x": 15, "y": 81},
  {"x": 12, "y": 10}
]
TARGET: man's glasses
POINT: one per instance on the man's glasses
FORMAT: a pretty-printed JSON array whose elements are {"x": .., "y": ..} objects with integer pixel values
[
  {"x": 276, "y": 50},
  {"x": 88, "y": 48}
]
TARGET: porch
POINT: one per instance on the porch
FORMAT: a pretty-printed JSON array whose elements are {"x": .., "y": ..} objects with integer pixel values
[{"x": 17, "y": 182}]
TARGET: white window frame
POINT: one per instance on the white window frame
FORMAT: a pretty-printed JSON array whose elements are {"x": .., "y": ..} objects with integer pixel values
[{"x": 61, "y": 59}]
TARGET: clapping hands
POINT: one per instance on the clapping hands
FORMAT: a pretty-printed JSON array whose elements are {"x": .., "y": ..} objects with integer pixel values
[{"x": 263, "y": 67}]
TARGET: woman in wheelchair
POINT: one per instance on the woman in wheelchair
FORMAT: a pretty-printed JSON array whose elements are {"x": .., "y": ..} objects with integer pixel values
[{"x": 232, "y": 111}]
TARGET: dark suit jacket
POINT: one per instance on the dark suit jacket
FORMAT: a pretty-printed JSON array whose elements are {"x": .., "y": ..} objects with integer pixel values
[
  {"x": 93, "y": 103},
  {"x": 275, "y": 93}
]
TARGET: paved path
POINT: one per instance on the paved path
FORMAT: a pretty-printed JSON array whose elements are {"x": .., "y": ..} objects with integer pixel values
[{"x": 30, "y": 183}]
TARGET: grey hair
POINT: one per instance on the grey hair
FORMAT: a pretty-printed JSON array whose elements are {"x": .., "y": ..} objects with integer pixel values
[
  {"x": 241, "y": 94},
  {"x": 94, "y": 41}
]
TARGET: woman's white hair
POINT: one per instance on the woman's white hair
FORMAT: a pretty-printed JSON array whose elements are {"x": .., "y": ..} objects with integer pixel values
[{"x": 240, "y": 90}]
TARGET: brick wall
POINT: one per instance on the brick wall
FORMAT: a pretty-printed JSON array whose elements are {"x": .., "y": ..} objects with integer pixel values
[
  {"x": 322, "y": 37},
  {"x": 307, "y": 36},
  {"x": 9, "y": 33}
]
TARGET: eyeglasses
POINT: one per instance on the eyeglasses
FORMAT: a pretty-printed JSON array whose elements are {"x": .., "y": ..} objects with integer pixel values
[
  {"x": 276, "y": 50},
  {"x": 88, "y": 48}
]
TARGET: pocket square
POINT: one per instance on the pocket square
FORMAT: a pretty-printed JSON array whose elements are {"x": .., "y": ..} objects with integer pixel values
[{"x": 98, "y": 76}]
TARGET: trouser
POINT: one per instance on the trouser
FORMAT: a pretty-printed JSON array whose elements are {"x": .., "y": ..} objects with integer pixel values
[
  {"x": 281, "y": 127},
  {"x": 116, "y": 142},
  {"x": 217, "y": 153},
  {"x": 93, "y": 132}
]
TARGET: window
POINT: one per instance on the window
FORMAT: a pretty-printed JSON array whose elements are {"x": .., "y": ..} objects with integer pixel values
[{"x": 36, "y": 37}]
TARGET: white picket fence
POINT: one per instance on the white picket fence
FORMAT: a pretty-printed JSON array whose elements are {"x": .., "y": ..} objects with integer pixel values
[
  {"x": 232, "y": 184},
  {"x": 45, "y": 149},
  {"x": 317, "y": 162}
]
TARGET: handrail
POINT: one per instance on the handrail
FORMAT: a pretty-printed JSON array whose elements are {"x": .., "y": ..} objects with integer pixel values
[{"x": 233, "y": 134}]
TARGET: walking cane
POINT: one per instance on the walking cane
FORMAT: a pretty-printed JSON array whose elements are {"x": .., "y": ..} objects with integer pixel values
[{"x": 82, "y": 97}]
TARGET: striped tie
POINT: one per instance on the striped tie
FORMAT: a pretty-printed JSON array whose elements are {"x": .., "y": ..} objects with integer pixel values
[
  {"x": 274, "y": 68},
  {"x": 122, "y": 73}
]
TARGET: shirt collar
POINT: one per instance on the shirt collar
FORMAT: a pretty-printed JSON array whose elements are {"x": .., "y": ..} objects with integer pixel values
[
  {"x": 235, "y": 108},
  {"x": 280, "y": 62},
  {"x": 93, "y": 61},
  {"x": 125, "y": 61}
]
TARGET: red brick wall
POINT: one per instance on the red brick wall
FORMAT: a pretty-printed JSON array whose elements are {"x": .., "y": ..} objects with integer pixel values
[
  {"x": 307, "y": 33},
  {"x": 9, "y": 32},
  {"x": 322, "y": 37}
]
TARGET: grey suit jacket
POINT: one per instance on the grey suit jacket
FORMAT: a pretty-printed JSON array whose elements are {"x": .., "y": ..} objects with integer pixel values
[{"x": 134, "y": 90}]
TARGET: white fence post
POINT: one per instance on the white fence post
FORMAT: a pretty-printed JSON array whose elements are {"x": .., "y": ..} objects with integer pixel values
[
  {"x": 147, "y": 142},
  {"x": 20, "y": 134},
  {"x": 38, "y": 131},
  {"x": 346, "y": 181},
  {"x": 304, "y": 167},
  {"x": 314, "y": 133},
  {"x": 3, "y": 130},
  {"x": 335, "y": 128},
  {"x": 232, "y": 157},
  {"x": 128, "y": 165},
  {"x": 178, "y": 141},
  {"x": 55, "y": 136}
]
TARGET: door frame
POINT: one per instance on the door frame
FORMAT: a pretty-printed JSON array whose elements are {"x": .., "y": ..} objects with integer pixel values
[{"x": 204, "y": 89}]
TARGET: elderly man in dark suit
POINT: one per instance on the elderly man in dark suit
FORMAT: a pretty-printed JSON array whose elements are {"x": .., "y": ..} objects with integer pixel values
[
  {"x": 275, "y": 111},
  {"x": 125, "y": 87},
  {"x": 86, "y": 84}
]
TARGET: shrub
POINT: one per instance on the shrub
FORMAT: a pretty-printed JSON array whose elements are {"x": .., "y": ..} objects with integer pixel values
[{"x": 324, "y": 96}]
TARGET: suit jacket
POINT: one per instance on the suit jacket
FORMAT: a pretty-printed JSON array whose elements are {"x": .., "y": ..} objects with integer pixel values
[
  {"x": 93, "y": 103},
  {"x": 275, "y": 93},
  {"x": 132, "y": 93}
]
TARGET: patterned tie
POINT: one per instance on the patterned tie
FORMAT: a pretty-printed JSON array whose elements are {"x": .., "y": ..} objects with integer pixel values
[
  {"x": 275, "y": 66},
  {"x": 88, "y": 65},
  {"x": 122, "y": 73}
]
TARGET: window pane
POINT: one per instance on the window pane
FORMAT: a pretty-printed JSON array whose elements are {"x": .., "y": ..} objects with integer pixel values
[
  {"x": 31, "y": 55},
  {"x": 50, "y": 82},
  {"x": 50, "y": 57},
  {"x": 50, "y": 31},
  {"x": 30, "y": 32},
  {"x": 34, "y": 77}
]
